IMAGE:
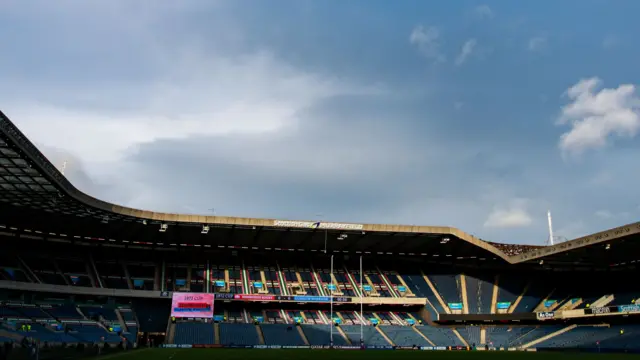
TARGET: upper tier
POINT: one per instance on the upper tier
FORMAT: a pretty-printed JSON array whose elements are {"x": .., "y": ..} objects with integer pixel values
[{"x": 31, "y": 185}]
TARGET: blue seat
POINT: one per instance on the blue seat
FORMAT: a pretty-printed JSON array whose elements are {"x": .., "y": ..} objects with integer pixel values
[
  {"x": 194, "y": 333},
  {"x": 281, "y": 334},
  {"x": 238, "y": 334}
]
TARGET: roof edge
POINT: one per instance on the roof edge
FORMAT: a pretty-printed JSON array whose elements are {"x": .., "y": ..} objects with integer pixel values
[{"x": 41, "y": 162}]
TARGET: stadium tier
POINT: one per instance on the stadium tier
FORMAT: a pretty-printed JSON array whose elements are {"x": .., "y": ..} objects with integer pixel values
[{"x": 77, "y": 270}]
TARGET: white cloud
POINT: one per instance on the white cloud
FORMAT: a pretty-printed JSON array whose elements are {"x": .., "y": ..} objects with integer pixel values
[
  {"x": 483, "y": 12},
  {"x": 511, "y": 216},
  {"x": 220, "y": 96},
  {"x": 597, "y": 115},
  {"x": 427, "y": 40},
  {"x": 537, "y": 43},
  {"x": 467, "y": 49}
]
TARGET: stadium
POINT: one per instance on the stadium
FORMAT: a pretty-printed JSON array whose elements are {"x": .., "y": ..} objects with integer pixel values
[{"x": 83, "y": 274}]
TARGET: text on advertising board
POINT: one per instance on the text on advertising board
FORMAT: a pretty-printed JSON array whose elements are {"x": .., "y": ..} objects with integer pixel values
[
  {"x": 546, "y": 315},
  {"x": 601, "y": 310},
  {"x": 317, "y": 225},
  {"x": 193, "y": 305},
  {"x": 629, "y": 308}
]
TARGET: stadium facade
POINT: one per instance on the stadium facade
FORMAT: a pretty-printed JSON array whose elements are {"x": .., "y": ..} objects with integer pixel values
[{"x": 75, "y": 269}]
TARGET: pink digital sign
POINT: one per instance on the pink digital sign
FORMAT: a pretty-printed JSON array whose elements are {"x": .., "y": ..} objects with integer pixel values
[{"x": 192, "y": 305}]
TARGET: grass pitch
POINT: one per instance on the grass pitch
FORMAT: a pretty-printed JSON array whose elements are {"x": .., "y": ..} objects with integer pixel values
[{"x": 308, "y": 354}]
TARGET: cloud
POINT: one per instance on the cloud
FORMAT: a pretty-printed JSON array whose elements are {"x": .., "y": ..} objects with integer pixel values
[
  {"x": 512, "y": 216},
  {"x": 427, "y": 40},
  {"x": 596, "y": 116},
  {"x": 483, "y": 12},
  {"x": 537, "y": 43},
  {"x": 466, "y": 51},
  {"x": 216, "y": 112},
  {"x": 254, "y": 94}
]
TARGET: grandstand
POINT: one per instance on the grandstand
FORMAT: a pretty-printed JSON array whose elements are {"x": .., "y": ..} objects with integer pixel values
[{"x": 77, "y": 270}]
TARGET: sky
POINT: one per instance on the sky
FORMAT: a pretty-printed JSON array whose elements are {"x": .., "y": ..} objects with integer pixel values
[{"x": 481, "y": 115}]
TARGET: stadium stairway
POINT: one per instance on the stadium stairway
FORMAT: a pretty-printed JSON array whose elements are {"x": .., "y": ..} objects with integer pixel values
[
  {"x": 121, "y": 321},
  {"x": 463, "y": 293},
  {"x": 436, "y": 293},
  {"x": 405, "y": 336},
  {"x": 343, "y": 334},
  {"x": 302, "y": 335},
  {"x": 519, "y": 298},
  {"x": 382, "y": 333},
  {"x": 494, "y": 296},
  {"x": 440, "y": 336},
  {"x": 260, "y": 334},
  {"x": 462, "y": 339},
  {"x": 548, "y": 336},
  {"x": 171, "y": 333},
  {"x": 423, "y": 336},
  {"x": 523, "y": 337}
]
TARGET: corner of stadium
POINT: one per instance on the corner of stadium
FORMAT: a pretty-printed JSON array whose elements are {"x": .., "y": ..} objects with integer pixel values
[{"x": 81, "y": 277}]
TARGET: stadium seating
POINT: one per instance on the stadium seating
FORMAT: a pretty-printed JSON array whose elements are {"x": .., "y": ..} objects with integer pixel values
[
  {"x": 535, "y": 293},
  {"x": 281, "y": 334},
  {"x": 31, "y": 312},
  {"x": 132, "y": 334},
  {"x": 66, "y": 312},
  {"x": 627, "y": 338},
  {"x": 471, "y": 334},
  {"x": 87, "y": 321},
  {"x": 320, "y": 335},
  {"x": 7, "y": 312},
  {"x": 440, "y": 336},
  {"x": 194, "y": 333},
  {"x": 503, "y": 336},
  {"x": 479, "y": 293},
  {"x": 370, "y": 334},
  {"x": 93, "y": 311},
  {"x": 93, "y": 334},
  {"x": 534, "y": 334},
  {"x": 238, "y": 334},
  {"x": 582, "y": 336},
  {"x": 404, "y": 336},
  {"x": 510, "y": 287},
  {"x": 153, "y": 316},
  {"x": 43, "y": 333},
  {"x": 419, "y": 286},
  {"x": 448, "y": 287}
]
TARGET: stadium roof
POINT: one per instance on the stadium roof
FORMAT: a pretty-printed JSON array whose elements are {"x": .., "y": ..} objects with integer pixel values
[{"x": 30, "y": 187}]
